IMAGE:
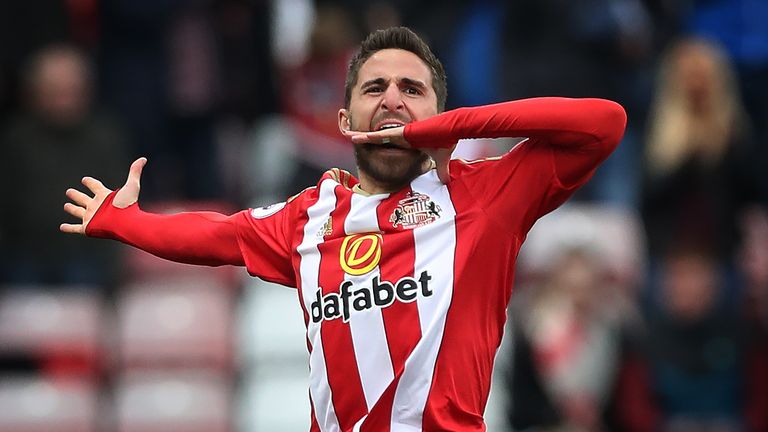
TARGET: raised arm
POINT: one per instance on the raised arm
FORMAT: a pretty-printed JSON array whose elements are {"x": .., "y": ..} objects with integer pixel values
[
  {"x": 195, "y": 238},
  {"x": 585, "y": 131},
  {"x": 560, "y": 121}
]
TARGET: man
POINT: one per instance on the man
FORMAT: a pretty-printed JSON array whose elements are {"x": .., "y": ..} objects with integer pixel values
[
  {"x": 403, "y": 275},
  {"x": 58, "y": 122}
]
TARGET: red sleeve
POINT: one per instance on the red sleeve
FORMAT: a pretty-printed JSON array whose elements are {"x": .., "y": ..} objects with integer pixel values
[
  {"x": 265, "y": 241},
  {"x": 567, "y": 140},
  {"x": 204, "y": 238},
  {"x": 584, "y": 130}
]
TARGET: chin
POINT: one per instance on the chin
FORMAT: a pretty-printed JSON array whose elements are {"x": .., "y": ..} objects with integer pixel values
[{"x": 392, "y": 170}]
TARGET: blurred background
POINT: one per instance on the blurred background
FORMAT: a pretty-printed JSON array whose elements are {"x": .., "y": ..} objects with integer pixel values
[{"x": 642, "y": 305}]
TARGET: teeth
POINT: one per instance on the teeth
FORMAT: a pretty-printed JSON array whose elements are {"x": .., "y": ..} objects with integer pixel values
[{"x": 389, "y": 126}]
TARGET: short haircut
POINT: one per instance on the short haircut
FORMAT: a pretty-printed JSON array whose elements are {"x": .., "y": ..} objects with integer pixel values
[{"x": 397, "y": 38}]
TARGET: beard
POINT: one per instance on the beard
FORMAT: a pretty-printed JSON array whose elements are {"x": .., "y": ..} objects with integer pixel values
[{"x": 391, "y": 170}]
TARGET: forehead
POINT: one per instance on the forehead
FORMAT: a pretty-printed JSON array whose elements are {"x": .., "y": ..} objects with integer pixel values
[{"x": 394, "y": 63}]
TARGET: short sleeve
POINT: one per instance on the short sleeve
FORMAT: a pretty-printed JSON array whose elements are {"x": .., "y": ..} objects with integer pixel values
[{"x": 264, "y": 240}]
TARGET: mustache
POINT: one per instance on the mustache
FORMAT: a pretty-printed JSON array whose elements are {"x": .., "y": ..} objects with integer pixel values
[{"x": 370, "y": 147}]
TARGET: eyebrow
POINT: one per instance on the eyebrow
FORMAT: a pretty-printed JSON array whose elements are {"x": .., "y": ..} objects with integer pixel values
[
  {"x": 414, "y": 82},
  {"x": 408, "y": 81},
  {"x": 377, "y": 81}
]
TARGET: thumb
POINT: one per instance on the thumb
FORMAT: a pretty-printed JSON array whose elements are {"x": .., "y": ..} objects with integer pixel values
[
  {"x": 442, "y": 158},
  {"x": 129, "y": 193},
  {"x": 443, "y": 170},
  {"x": 134, "y": 174}
]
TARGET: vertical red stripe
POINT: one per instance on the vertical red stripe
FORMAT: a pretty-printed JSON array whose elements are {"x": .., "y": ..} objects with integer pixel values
[
  {"x": 462, "y": 377},
  {"x": 298, "y": 238},
  {"x": 401, "y": 320},
  {"x": 340, "y": 362}
]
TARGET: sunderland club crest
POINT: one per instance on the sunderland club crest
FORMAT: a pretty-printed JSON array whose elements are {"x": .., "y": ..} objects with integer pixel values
[{"x": 415, "y": 210}]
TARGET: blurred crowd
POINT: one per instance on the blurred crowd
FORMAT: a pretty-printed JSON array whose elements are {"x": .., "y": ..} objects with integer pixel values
[{"x": 641, "y": 306}]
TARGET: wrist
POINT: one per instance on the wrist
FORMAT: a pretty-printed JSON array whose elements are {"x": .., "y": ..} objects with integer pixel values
[
  {"x": 108, "y": 218},
  {"x": 434, "y": 132}
]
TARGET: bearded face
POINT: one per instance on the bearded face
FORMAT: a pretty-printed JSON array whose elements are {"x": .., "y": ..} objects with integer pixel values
[{"x": 394, "y": 87}]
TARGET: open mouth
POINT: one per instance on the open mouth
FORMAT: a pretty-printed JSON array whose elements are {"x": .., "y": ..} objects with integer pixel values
[{"x": 389, "y": 125}]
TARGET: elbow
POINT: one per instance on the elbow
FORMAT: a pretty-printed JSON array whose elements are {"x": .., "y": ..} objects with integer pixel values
[{"x": 611, "y": 121}]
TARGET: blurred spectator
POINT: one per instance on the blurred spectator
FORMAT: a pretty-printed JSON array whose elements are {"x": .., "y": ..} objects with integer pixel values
[
  {"x": 594, "y": 48},
  {"x": 247, "y": 87},
  {"x": 185, "y": 76},
  {"x": 25, "y": 27},
  {"x": 189, "y": 153},
  {"x": 567, "y": 345},
  {"x": 313, "y": 92},
  {"x": 47, "y": 147},
  {"x": 740, "y": 27},
  {"x": 697, "y": 175},
  {"x": 693, "y": 378},
  {"x": 590, "y": 48},
  {"x": 754, "y": 266}
]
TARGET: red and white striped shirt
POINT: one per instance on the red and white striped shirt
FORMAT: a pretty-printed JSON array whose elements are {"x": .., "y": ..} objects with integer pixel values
[{"x": 404, "y": 294}]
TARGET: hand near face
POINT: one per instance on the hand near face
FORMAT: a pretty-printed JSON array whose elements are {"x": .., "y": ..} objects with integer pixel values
[
  {"x": 394, "y": 136},
  {"x": 386, "y": 136},
  {"x": 84, "y": 207}
]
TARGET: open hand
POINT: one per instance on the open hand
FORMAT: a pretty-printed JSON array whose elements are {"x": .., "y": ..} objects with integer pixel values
[
  {"x": 395, "y": 136},
  {"x": 84, "y": 207},
  {"x": 384, "y": 136}
]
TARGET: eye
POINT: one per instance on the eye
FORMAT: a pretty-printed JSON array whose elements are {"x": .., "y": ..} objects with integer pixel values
[
  {"x": 412, "y": 90},
  {"x": 372, "y": 89}
]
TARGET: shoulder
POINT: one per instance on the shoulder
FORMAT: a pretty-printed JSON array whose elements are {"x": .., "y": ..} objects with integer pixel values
[
  {"x": 460, "y": 167},
  {"x": 330, "y": 179},
  {"x": 339, "y": 176}
]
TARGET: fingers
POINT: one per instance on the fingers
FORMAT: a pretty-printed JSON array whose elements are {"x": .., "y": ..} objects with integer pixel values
[
  {"x": 78, "y": 197},
  {"x": 393, "y": 135},
  {"x": 72, "y": 228},
  {"x": 349, "y": 133},
  {"x": 356, "y": 137},
  {"x": 76, "y": 211},
  {"x": 95, "y": 186}
]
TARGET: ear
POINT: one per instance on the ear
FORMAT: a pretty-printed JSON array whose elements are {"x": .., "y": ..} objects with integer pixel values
[{"x": 344, "y": 122}]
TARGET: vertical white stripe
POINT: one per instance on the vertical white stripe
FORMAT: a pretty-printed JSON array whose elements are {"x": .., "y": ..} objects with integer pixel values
[
  {"x": 309, "y": 267},
  {"x": 359, "y": 424},
  {"x": 367, "y": 327},
  {"x": 435, "y": 250}
]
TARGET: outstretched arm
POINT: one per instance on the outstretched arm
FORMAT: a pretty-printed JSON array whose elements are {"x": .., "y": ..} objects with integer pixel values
[
  {"x": 584, "y": 131},
  {"x": 195, "y": 238}
]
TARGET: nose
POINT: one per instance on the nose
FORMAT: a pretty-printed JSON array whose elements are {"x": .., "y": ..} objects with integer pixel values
[{"x": 392, "y": 99}]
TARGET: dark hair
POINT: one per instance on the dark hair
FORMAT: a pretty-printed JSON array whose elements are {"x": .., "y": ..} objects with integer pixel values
[{"x": 399, "y": 38}]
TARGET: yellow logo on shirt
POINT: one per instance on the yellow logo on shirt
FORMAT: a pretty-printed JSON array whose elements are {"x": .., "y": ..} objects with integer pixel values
[{"x": 360, "y": 253}]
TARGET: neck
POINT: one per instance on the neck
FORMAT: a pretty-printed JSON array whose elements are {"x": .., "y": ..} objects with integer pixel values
[{"x": 372, "y": 186}]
